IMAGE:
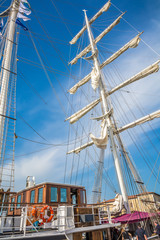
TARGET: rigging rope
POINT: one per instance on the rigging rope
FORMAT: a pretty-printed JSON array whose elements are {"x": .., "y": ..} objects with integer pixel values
[
  {"x": 32, "y": 88},
  {"x": 153, "y": 169},
  {"x": 136, "y": 31},
  {"x": 122, "y": 96},
  {"x": 30, "y": 126},
  {"x": 157, "y": 179},
  {"x": 61, "y": 17}
]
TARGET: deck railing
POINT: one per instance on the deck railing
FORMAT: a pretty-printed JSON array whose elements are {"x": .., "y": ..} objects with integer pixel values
[{"x": 24, "y": 219}]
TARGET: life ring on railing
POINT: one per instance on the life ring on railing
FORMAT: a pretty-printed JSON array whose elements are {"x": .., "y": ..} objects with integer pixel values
[
  {"x": 42, "y": 214},
  {"x": 34, "y": 211}
]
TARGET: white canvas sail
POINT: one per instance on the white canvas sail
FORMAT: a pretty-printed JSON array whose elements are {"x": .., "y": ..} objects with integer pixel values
[
  {"x": 147, "y": 71},
  {"x": 131, "y": 44},
  {"x": 76, "y": 116},
  {"x": 95, "y": 76},
  {"x": 77, "y": 150},
  {"x": 102, "y": 141},
  {"x": 88, "y": 48},
  {"x": 142, "y": 120},
  {"x": 99, "y": 142},
  {"x": 79, "y": 84},
  {"x": 99, "y": 13},
  {"x": 144, "y": 73}
]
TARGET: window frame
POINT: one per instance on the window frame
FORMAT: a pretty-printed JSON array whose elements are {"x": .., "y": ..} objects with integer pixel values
[
  {"x": 51, "y": 194},
  {"x": 42, "y": 195},
  {"x": 82, "y": 196},
  {"x": 66, "y": 195},
  {"x": 19, "y": 203},
  {"x": 33, "y": 191}
]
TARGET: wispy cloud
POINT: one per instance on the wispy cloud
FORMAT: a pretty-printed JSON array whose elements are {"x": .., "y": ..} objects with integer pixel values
[{"x": 43, "y": 165}]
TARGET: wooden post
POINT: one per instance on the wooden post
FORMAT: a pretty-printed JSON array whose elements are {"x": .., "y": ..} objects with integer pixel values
[
  {"x": 109, "y": 233},
  {"x": 97, "y": 235}
]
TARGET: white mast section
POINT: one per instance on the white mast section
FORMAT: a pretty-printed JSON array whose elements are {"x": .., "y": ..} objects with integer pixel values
[
  {"x": 5, "y": 73},
  {"x": 133, "y": 169},
  {"x": 109, "y": 123}
]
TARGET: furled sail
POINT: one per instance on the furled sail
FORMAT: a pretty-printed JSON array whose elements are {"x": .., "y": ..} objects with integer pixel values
[
  {"x": 140, "y": 121},
  {"x": 79, "y": 84},
  {"x": 77, "y": 150},
  {"x": 144, "y": 73},
  {"x": 99, "y": 13},
  {"x": 95, "y": 76},
  {"x": 102, "y": 141},
  {"x": 99, "y": 142},
  {"x": 131, "y": 44},
  {"x": 88, "y": 48},
  {"x": 147, "y": 71},
  {"x": 118, "y": 204},
  {"x": 76, "y": 116}
]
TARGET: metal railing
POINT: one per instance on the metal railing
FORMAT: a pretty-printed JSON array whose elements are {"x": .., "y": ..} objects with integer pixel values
[{"x": 24, "y": 219}]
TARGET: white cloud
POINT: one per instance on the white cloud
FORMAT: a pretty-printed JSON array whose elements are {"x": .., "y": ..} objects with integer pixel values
[{"x": 43, "y": 165}]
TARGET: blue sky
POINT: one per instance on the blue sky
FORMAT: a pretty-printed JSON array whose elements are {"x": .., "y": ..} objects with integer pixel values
[{"x": 52, "y": 27}]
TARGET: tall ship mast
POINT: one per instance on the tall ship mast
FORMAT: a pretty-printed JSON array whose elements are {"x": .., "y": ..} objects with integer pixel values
[
  {"x": 8, "y": 76},
  {"x": 109, "y": 128}
]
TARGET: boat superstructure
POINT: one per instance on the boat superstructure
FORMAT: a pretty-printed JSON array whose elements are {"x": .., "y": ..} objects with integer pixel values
[
  {"x": 48, "y": 210},
  {"x": 53, "y": 210}
]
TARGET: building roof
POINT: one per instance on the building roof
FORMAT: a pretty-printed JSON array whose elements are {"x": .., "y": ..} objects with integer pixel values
[{"x": 133, "y": 196}]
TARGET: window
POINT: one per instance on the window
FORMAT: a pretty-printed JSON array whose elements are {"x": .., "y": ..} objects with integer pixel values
[
  {"x": 82, "y": 196},
  {"x": 63, "y": 195},
  {"x": 74, "y": 199},
  {"x": 40, "y": 195},
  {"x": 12, "y": 205},
  {"x": 53, "y": 194},
  {"x": 32, "y": 196},
  {"x": 18, "y": 201}
]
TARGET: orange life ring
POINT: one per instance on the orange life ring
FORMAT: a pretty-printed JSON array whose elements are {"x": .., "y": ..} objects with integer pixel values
[
  {"x": 43, "y": 211},
  {"x": 34, "y": 211}
]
